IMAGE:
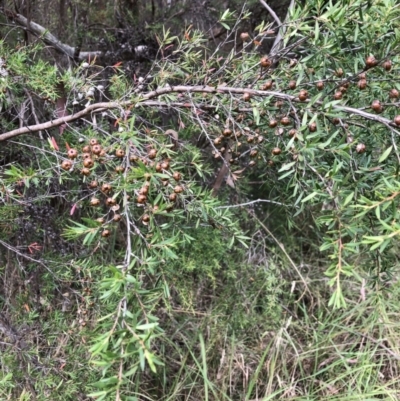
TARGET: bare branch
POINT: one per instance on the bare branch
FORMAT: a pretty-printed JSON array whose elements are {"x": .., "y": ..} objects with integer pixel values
[
  {"x": 48, "y": 38},
  {"x": 272, "y": 12},
  {"x": 99, "y": 107},
  {"x": 281, "y": 32}
]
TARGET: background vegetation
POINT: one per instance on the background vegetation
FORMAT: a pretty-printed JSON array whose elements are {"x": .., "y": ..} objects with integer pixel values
[{"x": 199, "y": 203}]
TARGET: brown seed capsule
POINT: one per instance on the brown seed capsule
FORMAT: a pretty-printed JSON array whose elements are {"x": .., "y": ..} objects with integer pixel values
[
  {"x": 72, "y": 153},
  {"x": 105, "y": 233},
  {"x": 165, "y": 165},
  {"x": 111, "y": 202},
  {"x": 120, "y": 153},
  {"x": 253, "y": 153},
  {"x": 152, "y": 154},
  {"x": 312, "y": 127},
  {"x": 276, "y": 151},
  {"x": 93, "y": 142},
  {"x": 102, "y": 153},
  {"x": 246, "y": 96},
  {"x": 292, "y": 85},
  {"x": 320, "y": 85},
  {"x": 335, "y": 121},
  {"x": 339, "y": 72},
  {"x": 362, "y": 84},
  {"x": 66, "y": 165},
  {"x": 227, "y": 132},
  {"x": 273, "y": 123},
  {"x": 218, "y": 141},
  {"x": 268, "y": 85},
  {"x": 303, "y": 92},
  {"x": 106, "y": 188},
  {"x": 270, "y": 163},
  {"x": 292, "y": 133},
  {"x": 250, "y": 139},
  {"x": 93, "y": 184},
  {"x": 94, "y": 202},
  {"x": 245, "y": 36},
  {"x": 394, "y": 93},
  {"x": 100, "y": 220},
  {"x": 117, "y": 217},
  {"x": 302, "y": 98},
  {"x": 158, "y": 168},
  {"x": 265, "y": 62},
  {"x": 363, "y": 75},
  {"x": 85, "y": 171},
  {"x": 240, "y": 118},
  {"x": 86, "y": 156},
  {"x": 88, "y": 163},
  {"x": 119, "y": 169},
  {"x": 251, "y": 163},
  {"x": 396, "y": 120},
  {"x": 377, "y": 106},
  {"x": 338, "y": 95},
  {"x": 144, "y": 190},
  {"x": 172, "y": 197},
  {"x": 177, "y": 176},
  {"x": 279, "y": 104},
  {"x": 141, "y": 199},
  {"x": 178, "y": 189},
  {"x": 303, "y": 95},
  {"x": 360, "y": 148},
  {"x": 96, "y": 149},
  {"x": 285, "y": 120},
  {"x": 86, "y": 149},
  {"x": 146, "y": 218},
  {"x": 370, "y": 62}
]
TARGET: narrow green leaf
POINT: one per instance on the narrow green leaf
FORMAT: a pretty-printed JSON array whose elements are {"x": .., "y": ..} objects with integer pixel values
[
  {"x": 308, "y": 197},
  {"x": 348, "y": 199},
  {"x": 385, "y": 154}
]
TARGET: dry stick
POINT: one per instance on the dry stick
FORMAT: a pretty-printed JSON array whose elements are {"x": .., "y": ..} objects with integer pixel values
[
  {"x": 272, "y": 12},
  {"x": 223, "y": 170},
  {"x": 47, "y": 37},
  {"x": 102, "y": 106},
  {"x": 282, "y": 30},
  {"x": 33, "y": 111}
]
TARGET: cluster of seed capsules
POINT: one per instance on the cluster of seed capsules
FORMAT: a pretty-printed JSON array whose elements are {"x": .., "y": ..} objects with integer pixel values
[
  {"x": 105, "y": 183},
  {"x": 279, "y": 122}
]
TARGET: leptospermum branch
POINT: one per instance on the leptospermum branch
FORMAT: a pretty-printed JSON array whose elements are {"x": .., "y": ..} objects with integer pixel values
[{"x": 145, "y": 100}]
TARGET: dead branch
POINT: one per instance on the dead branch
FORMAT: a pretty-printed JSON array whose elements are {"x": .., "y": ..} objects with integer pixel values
[{"x": 47, "y": 37}]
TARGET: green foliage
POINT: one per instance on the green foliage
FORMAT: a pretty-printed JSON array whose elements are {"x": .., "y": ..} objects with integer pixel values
[{"x": 126, "y": 252}]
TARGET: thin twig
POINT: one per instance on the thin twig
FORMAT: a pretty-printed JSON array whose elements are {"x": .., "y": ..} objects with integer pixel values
[
  {"x": 272, "y": 12},
  {"x": 251, "y": 203}
]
